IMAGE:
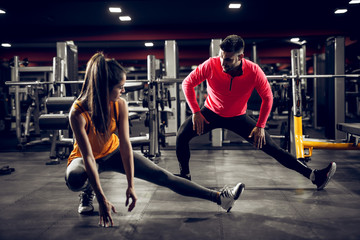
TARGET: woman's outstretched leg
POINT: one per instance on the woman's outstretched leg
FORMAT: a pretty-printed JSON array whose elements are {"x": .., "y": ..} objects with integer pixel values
[{"x": 147, "y": 170}]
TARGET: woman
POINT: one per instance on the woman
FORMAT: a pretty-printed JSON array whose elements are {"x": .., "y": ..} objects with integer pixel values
[{"x": 95, "y": 116}]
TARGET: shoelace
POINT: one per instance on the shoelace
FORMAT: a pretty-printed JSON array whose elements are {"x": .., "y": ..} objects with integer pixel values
[
  {"x": 226, "y": 191},
  {"x": 86, "y": 199}
]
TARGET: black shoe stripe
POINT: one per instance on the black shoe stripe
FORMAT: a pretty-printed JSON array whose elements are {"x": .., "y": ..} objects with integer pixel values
[
  {"x": 240, "y": 191},
  {"x": 329, "y": 176}
]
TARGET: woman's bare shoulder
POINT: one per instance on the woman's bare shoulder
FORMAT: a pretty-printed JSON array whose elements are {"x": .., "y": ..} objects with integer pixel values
[
  {"x": 122, "y": 103},
  {"x": 75, "y": 114}
]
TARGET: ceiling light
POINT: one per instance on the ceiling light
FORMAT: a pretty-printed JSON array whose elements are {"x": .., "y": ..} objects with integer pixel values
[
  {"x": 149, "y": 44},
  {"x": 6, "y": 45},
  {"x": 234, "y": 5},
  {"x": 2, "y": 11},
  {"x": 125, "y": 18},
  {"x": 354, "y": 2},
  {"x": 115, "y": 9},
  {"x": 296, "y": 40},
  {"x": 340, "y": 11}
]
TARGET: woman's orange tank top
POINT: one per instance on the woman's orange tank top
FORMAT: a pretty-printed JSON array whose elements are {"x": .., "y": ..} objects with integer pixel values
[{"x": 100, "y": 146}]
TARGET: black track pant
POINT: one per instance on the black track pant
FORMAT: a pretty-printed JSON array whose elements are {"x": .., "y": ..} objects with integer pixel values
[
  {"x": 76, "y": 177},
  {"x": 241, "y": 125}
]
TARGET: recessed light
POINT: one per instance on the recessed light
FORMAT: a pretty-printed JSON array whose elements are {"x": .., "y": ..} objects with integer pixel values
[
  {"x": 340, "y": 11},
  {"x": 2, "y": 11},
  {"x": 149, "y": 44},
  {"x": 115, "y": 9},
  {"x": 234, "y": 5},
  {"x": 125, "y": 18},
  {"x": 6, "y": 45},
  {"x": 354, "y": 2},
  {"x": 295, "y": 40}
]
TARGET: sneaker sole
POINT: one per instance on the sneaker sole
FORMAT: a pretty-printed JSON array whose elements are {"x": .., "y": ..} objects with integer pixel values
[
  {"x": 330, "y": 174},
  {"x": 86, "y": 211}
]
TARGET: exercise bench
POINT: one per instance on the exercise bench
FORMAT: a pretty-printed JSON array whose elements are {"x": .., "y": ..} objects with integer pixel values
[
  {"x": 57, "y": 120},
  {"x": 352, "y": 131}
]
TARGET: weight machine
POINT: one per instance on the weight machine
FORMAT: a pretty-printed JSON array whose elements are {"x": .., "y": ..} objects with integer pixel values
[
  {"x": 157, "y": 104},
  {"x": 301, "y": 146},
  {"x": 42, "y": 104},
  {"x": 36, "y": 92}
]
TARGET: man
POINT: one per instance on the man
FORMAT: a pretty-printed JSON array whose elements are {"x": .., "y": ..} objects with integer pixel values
[{"x": 230, "y": 81}]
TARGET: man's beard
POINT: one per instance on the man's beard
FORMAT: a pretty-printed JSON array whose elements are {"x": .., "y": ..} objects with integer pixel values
[{"x": 228, "y": 69}]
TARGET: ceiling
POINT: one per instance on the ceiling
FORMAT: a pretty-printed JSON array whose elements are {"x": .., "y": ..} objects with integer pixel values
[{"x": 34, "y": 27}]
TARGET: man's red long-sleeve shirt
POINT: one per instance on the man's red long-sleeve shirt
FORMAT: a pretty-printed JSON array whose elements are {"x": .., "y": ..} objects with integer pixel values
[{"x": 227, "y": 95}]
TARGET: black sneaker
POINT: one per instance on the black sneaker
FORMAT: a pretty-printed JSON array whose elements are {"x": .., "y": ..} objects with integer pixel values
[
  {"x": 322, "y": 177},
  {"x": 186, "y": 176},
  {"x": 86, "y": 202}
]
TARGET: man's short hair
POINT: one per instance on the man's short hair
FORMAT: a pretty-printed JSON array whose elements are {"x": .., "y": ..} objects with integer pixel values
[{"x": 233, "y": 43}]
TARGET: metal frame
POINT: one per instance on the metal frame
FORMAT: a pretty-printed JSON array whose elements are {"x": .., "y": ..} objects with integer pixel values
[
  {"x": 179, "y": 80},
  {"x": 171, "y": 56},
  {"x": 55, "y": 81},
  {"x": 216, "y": 134},
  {"x": 153, "y": 111},
  {"x": 16, "y": 84},
  {"x": 303, "y": 147}
]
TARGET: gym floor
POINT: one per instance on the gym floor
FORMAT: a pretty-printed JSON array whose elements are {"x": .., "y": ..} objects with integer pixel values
[{"x": 276, "y": 204}]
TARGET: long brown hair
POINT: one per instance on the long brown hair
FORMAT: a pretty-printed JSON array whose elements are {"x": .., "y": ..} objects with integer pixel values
[{"x": 101, "y": 76}]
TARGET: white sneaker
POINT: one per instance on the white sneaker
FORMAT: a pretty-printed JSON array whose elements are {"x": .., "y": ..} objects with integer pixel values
[
  {"x": 86, "y": 202},
  {"x": 229, "y": 196}
]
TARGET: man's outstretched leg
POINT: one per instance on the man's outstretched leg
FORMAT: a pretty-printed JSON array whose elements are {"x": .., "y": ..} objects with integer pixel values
[
  {"x": 183, "y": 137},
  {"x": 318, "y": 177}
]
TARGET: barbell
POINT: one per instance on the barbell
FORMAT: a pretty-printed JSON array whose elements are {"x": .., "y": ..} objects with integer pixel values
[{"x": 179, "y": 80}]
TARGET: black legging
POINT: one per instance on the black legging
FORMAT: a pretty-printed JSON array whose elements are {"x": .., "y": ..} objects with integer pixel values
[
  {"x": 76, "y": 177},
  {"x": 241, "y": 125}
]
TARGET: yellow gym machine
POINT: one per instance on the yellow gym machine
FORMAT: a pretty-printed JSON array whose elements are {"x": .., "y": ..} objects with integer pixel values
[{"x": 301, "y": 146}]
